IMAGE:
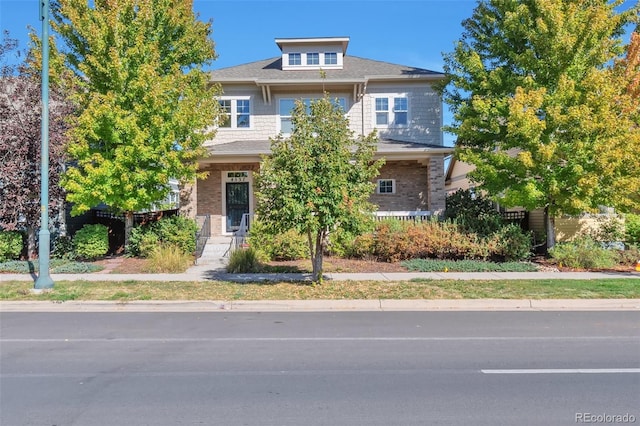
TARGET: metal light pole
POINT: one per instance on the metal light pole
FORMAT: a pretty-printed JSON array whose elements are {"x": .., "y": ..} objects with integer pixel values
[{"x": 44, "y": 280}]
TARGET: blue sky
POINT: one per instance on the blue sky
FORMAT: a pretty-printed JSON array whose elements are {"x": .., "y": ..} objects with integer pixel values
[
  {"x": 406, "y": 32},
  {"x": 410, "y": 32}
]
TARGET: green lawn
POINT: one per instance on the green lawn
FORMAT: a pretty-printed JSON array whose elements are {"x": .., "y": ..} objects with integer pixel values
[{"x": 415, "y": 289}]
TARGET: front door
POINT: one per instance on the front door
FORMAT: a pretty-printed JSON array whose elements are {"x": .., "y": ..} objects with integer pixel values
[{"x": 237, "y": 203}]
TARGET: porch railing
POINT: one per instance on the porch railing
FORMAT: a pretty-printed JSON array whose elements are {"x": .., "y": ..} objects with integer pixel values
[
  {"x": 203, "y": 234},
  {"x": 415, "y": 216},
  {"x": 239, "y": 237}
]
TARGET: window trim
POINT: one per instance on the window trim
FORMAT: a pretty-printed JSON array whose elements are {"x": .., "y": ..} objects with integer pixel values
[
  {"x": 298, "y": 60},
  {"x": 379, "y": 184},
  {"x": 234, "y": 114},
  {"x": 391, "y": 110},
  {"x": 315, "y": 55},
  {"x": 332, "y": 55}
]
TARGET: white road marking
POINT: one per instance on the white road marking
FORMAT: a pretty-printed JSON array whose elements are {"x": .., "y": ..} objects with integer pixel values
[{"x": 565, "y": 371}]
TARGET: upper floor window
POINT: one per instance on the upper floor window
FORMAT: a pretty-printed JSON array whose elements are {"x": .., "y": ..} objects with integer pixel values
[
  {"x": 331, "y": 58},
  {"x": 295, "y": 59},
  {"x": 313, "y": 59},
  {"x": 286, "y": 110},
  {"x": 391, "y": 111},
  {"x": 235, "y": 113}
]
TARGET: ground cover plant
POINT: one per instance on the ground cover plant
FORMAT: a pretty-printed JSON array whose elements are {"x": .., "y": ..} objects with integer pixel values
[
  {"x": 437, "y": 265},
  {"x": 57, "y": 266}
]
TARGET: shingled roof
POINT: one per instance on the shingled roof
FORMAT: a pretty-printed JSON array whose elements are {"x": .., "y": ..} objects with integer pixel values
[
  {"x": 252, "y": 150},
  {"x": 354, "y": 70}
]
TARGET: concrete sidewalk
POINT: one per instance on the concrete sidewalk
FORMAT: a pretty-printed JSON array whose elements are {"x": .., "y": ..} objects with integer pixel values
[{"x": 205, "y": 274}]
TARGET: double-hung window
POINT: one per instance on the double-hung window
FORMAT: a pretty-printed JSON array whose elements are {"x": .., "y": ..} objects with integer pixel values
[
  {"x": 287, "y": 105},
  {"x": 391, "y": 111},
  {"x": 235, "y": 113}
]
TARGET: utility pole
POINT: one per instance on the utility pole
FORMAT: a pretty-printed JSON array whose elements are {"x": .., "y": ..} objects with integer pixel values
[{"x": 44, "y": 280}]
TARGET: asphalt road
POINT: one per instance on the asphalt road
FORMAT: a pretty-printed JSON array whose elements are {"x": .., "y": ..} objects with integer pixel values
[{"x": 359, "y": 368}]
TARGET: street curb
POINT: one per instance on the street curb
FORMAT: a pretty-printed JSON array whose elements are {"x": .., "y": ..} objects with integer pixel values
[{"x": 356, "y": 305}]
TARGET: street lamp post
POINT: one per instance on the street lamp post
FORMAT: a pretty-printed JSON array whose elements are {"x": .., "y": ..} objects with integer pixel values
[{"x": 44, "y": 280}]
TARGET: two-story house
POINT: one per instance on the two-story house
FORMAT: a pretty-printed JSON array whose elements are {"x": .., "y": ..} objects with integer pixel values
[{"x": 398, "y": 101}]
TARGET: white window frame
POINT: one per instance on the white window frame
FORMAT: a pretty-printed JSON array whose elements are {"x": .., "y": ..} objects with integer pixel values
[
  {"x": 292, "y": 55},
  {"x": 234, "y": 112},
  {"x": 279, "y": 115},
  {"x": 326, "y": 55},
  {"x": 315, "y": 55},
  {"x": 391, "y": 110},
  {"x": 379, "y": 185}
]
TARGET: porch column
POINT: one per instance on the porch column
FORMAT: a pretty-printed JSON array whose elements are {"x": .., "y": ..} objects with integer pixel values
[{"x": 435, "y": 177}]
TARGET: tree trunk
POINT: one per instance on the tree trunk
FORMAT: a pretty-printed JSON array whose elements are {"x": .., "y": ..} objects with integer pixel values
[
  {"x": 31, "y": 243},
  {"x": 550, "y": 224},
  {"x": 128, "y": 226},
  {"x": 318, "y": 257}
]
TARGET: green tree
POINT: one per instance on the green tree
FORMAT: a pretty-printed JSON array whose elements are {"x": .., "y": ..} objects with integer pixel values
[
  {"x": 536, "y": 109},
  {"x": 319, "y": 179},
  {"x": 143, "y": 97}
]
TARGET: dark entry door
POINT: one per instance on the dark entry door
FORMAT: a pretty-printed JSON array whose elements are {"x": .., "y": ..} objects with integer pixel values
[{"x": 237, "y": 204}]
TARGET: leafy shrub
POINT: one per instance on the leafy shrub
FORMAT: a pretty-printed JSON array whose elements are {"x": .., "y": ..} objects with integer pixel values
[
  {"x": 179, "y": 231},
  {"x": 437, "y": 265},
  {"x": 168, "y": 258},
  {"x": 583, "y": 252},
  {"x": 630, "y": 256},
  {"x": 10, "y": 245},
  {"x": 91, "y": 242},
  {"x": 632, "y": 231},
  {"x": 473, "y": 213},
  {"x": 363, "y": 247},
  {"x": 429, "y": 239},
  {"x": 609, "y": 228},
  {"x": 288, "y": 245},
  {"x": 63, "y": 248},
  {"x": 243, "y": 261},
  {"x": 512, "y": 243}
]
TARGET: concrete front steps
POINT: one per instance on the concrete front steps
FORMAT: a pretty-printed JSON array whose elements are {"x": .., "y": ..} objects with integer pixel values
[{"x": 215, "y": 254}]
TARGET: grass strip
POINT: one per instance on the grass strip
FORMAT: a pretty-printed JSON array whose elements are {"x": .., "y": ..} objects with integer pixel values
[{"x": 333, "y": 290}]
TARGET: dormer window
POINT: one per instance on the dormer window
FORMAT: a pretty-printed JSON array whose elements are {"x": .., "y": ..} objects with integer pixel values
[
  {"x": 313, "y": 59},
  {"x": 305, "y": 54},
  {"x": 331, "y": 58},
  {"x": 295, "y": 59}
]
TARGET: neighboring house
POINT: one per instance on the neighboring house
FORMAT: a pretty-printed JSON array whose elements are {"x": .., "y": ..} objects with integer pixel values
[
  {"x": 566, "y": 228},
  {"x": 398, "y": 101}
]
